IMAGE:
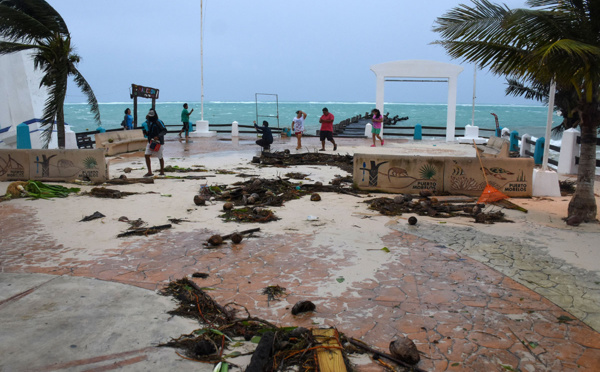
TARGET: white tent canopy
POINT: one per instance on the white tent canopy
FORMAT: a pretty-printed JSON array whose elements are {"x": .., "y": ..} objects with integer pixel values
[{"x": 412, "y": 69}]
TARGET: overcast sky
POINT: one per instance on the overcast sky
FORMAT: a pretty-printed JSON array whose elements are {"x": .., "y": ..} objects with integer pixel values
[{"x": 305, "y": 50}]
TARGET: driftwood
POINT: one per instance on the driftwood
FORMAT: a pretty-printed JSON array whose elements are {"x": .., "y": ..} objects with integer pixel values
[
  {"x": 126, "y": 181},
  {"x": 384, "y": 355},
  {"x": 145, "y": 230},
  {"x": 262, "y": 355},
  {"x": 228, "y": 236}
]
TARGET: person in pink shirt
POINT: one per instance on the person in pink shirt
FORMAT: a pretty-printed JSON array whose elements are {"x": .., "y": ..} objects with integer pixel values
[
  {"x": 377, "y": 124},
  {"x": 326, "y": 131}
]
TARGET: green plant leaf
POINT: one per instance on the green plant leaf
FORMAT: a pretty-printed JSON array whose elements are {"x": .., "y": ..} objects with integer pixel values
[
  {"x": 232, "y": 355},
  {"x": 385, "y": 249},
  {"x": 340, "y": 279},
  {"x": 255, "y": 339}
]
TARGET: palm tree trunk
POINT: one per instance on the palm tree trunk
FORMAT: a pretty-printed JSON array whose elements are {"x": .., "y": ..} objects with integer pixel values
[
  {"x": 583, "y": 203},
  {"x": 60, "y": 125}
]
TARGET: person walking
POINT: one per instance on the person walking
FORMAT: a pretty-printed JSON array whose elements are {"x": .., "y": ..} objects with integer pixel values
[
  {"x": 298, "y": 127},
  {"x": 156, "y": 140},
  {"x": 326, "y": 131},
  {"x": 377, "y": 124},
  {"x": 267, "y": 136},
  {"x": 185, "y": 119}
]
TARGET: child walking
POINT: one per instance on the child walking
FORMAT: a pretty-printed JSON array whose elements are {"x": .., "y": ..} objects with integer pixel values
[{"x": 377, "y": 124}]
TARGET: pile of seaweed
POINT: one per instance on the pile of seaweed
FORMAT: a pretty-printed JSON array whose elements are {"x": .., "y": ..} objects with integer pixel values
[
  {"x": 428, "y": 205},
  {"x": 285, "y": 158},
  {"x": 274, "y": 192},
  {"x": 223, "y": 331}
]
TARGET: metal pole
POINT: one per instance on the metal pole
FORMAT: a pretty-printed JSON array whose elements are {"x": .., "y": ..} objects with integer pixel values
[
  {"x": 474, "y": 83},
  {"x": 549, "y": 124},
  {"x": 201, "y": 61}
]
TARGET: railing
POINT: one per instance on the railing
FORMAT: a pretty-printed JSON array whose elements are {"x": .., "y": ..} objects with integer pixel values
[{"x": 87, "y": 140}]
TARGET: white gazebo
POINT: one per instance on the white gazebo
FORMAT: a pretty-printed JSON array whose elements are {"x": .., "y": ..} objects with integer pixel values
[{"x": 420, "y": 69}]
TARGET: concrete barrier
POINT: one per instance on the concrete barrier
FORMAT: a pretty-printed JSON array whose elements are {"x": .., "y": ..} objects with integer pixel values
[
  {"x": 53, "y": 165},
  {"x": 455, "y": 175}
]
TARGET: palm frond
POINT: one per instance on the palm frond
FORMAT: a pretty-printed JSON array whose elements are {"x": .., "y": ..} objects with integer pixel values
[
  {"x": 87, "y": 90},
  {"x": 40, "y": 11},
  {"x": 7, "y": 47},
  {"x": 18, "y": 26}
]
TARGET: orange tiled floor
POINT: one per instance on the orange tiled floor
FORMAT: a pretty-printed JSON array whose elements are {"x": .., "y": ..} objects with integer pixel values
[{"x": 461, "y": 314}]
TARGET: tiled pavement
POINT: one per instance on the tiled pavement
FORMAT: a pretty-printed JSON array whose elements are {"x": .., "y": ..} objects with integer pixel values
[{"x": 461, "y": 314}]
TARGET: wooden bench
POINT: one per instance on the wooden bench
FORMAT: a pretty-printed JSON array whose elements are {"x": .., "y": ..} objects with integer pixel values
[
  {"x": 121, "y": 141},
  {"x": 496, "y": 147}
]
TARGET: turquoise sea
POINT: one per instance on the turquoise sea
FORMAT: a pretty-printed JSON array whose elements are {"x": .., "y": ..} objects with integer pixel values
[{"x": 524, "y": 119}]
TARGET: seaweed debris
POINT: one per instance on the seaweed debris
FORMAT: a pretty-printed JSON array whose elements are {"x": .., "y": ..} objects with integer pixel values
[{"x": 284, "y": 159}]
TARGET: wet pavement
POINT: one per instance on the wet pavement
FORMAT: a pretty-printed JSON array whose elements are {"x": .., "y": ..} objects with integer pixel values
[{"x": 462, "y": 314}]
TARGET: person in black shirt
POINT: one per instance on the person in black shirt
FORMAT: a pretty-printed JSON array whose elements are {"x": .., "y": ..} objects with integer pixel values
[
  {"x": 267, "y": 137},
  {"x": 156, "y": 139}
]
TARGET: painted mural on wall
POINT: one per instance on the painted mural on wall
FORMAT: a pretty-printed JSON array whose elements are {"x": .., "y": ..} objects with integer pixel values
[
  {"x": 403, "y": 175},
  {"x": 12, "y": 166},
  {"x": 467, "y": 177},
  {"x": 455, "y": 175},
  {"x": 53, "y": 165},
  {"x": 60, "y": 165}
]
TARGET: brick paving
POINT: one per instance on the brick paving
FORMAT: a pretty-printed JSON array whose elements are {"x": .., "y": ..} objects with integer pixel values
[{"x": 462, "y": 314}]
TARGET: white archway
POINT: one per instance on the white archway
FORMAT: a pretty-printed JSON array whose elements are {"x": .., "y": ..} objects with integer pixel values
[{"x": 421, "y": 69}]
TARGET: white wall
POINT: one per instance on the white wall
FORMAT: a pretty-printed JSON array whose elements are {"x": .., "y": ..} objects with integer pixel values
[{"x": 21, "y": 98}]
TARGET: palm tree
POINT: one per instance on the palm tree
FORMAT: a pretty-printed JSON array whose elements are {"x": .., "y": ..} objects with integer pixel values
[
  {"x": 33, "y": 25},
  {"x": 553, "y": 40},
  {"x": 565, "y": 100}
]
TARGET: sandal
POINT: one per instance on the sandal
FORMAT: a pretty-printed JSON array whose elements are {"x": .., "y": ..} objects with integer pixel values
[
  {"x": 373, "y": 145},
  {"x": 382, "y": 142},
  {"x": 335, "y": 147},
  {"x": 321, "y": 149},
  {"x": 148, "y": 175}
]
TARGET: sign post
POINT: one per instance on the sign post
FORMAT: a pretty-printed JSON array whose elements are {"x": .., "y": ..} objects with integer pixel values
[{"x": 144, "y": 92}]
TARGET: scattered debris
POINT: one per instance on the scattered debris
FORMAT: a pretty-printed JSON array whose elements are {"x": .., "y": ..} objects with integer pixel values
[
  {"x": 315, "y": 197},
  {"x": 296, "y": 175},
  {"x": 103, "y": 192},
  {"x": 199, "y": 200},
  {"x": 227, "y": 206},
  {"x": 412, "y": 220},
  {"x": 302, "y": 307},
  {"x": 126, "y": 181},
  {"x": 236, "y": 238},
  {"x": 215, "y": 240},
  {"x": 284, "y": 348},
  {"x": 93, "y": 216},
  {"x": 127, "y": 170},
  {"x": 145, "y": 231},
  {"x": 273, "y": 292},
  {"x": 177, "y": 221},
  {"x": 405, "y": 350},
  {"x": 281, "y": 158},
  {"x": 249, "y": 215},
  {"x": 200, "y": 275},
  {"x": 177, "y": 169},
  {"x": 567, "y": 187},
  {"x": 435, "y": 206}
]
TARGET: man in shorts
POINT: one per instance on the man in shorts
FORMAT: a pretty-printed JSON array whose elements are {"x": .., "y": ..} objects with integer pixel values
[
  {"x": 326, "y": 131},
  {"x": 185, "y": 119},
  {"x": 156, "y": 139}
]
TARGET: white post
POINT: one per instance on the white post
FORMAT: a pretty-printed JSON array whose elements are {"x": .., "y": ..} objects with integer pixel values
[
  {"x": 568, "y": 151},
  {"x": 549, "y": 124},
  {"x": 451, "y": 117},
  {"x": 235, "y": 131},
  {"x": 525, "y": 146},
  {"x": 368, "y": 129}
]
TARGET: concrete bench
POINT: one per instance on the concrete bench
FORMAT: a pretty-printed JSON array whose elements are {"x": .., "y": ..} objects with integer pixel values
[
  {"x": 496, "y": 147},
  {"x": 121, "y": 141}
]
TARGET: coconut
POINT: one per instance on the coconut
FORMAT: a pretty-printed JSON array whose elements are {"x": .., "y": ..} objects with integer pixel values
[
  {"x": 236, "y": 238},
  {"x": 315, "y": 197},
  {"x": 228, "y": 206},
  {"x": 199, "y": 200},
  {"x": 405, "y": 350}
]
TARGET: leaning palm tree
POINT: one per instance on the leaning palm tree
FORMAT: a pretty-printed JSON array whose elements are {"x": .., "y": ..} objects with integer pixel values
[
  {"x": 553, "y": 40},
  {"x": 34, "y": 26}
]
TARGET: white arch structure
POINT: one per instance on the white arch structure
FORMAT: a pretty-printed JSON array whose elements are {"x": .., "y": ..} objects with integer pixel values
[{"x": 412, "y": 69}]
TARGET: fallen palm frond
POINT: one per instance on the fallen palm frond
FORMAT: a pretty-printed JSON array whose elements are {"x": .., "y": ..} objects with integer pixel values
[{"x": 39, "y": 190}]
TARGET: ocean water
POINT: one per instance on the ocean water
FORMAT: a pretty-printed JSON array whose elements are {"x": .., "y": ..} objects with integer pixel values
[{"x": 523, "y": 119}]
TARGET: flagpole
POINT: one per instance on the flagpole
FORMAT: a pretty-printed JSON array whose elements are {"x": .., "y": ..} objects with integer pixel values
[{"x": 201, "y": 61}]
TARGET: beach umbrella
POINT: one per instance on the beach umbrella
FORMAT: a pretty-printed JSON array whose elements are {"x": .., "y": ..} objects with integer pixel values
[{"x": 490, "y": 194}]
